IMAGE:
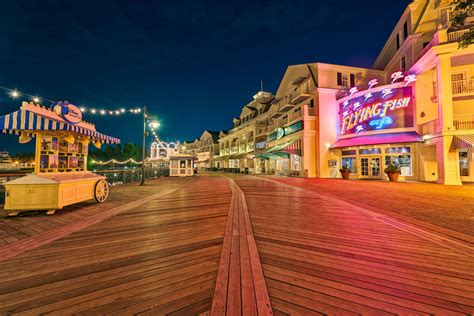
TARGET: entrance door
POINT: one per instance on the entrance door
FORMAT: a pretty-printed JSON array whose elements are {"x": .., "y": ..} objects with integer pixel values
[{"x": 370, "y": 167}]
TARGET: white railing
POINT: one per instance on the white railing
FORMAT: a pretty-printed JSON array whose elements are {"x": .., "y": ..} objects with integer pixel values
[
  {"x": 456, "y": 35},
  {"x": 430, "y": 127},
  {"x": 463, "y": 121},
  {"x": 463, "y": 86}
]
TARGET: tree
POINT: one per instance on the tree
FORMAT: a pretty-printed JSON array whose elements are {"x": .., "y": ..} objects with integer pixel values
[{"x": 462, "y": 10}]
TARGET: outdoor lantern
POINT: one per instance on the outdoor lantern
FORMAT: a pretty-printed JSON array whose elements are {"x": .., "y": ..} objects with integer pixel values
[
  {"x": 97, "y": 144},
  {"x": 24, "y": 138},
  {"x": 70, "y": 139}
]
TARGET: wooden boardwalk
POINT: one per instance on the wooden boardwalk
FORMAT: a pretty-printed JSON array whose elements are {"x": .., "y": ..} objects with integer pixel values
[
  {"x": 159, "y": 258},
  {"x": 248, "y": 246},
  {"x": 322, "y": 256}
]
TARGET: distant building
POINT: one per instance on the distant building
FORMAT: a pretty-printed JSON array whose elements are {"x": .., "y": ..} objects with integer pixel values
[{"x": 205, "y": 149}]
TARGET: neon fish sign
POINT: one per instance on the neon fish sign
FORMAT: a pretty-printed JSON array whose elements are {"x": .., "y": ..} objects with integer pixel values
[{"x": 388, "y": 108}]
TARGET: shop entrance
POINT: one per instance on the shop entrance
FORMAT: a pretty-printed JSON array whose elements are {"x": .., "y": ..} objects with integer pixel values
[{"x": 370, "y": 167}]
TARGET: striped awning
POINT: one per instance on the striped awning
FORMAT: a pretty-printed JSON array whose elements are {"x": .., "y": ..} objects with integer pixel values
[
  {"x": 463, "y": 141},
  {"x": 293, "y": 148},
  {"x": 29, "y": 122}
]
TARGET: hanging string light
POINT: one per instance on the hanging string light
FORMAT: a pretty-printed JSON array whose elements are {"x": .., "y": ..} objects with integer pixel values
[
  {"x": 130, "y": 160},
  {"x": 15, "y": 94}
]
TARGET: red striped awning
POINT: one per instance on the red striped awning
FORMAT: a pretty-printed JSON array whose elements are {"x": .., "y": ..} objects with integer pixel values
[{"x": 294, "y": 148}]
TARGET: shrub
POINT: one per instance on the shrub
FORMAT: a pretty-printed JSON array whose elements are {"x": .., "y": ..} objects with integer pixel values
[{"x": 392, "y": 168}]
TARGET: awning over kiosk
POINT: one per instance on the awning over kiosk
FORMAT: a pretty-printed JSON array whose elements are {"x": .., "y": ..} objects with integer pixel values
[
  {"x": 463, "y": 142},
  {"x": 406, "y": 137},
  {"x": 26, "y": 121}
]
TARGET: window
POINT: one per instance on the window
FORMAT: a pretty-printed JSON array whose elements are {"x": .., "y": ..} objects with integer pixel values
[
  {"x": 398, "y": 41},
  {"x": 351, "y": 163},
  {"x": 405, "y": 30},
  {"x": 403, "y": 64},
  {"x": 464, "y": 163},
  {"x": 370, "y": 151},
  {"x": 343, "y": 79},
  {"x": 456, "y": 76},
  {"x": 352, "y": 80},
  {"x": 311, "y": 104},
  {"x": 403, "y": 161},
  {"x": 397, "y": 150}
]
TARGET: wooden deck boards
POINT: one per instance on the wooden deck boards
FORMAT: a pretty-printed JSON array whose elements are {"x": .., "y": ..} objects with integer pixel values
[
  {"x": 322, "y": 256},
  {"x": 240, "y": 286},
  {"x": 219, "y": 246},
  {"x": 160, "y": 257}
]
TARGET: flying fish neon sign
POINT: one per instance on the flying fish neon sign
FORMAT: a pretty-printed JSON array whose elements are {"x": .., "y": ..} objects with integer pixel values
[{"x": 385, "y": 109}]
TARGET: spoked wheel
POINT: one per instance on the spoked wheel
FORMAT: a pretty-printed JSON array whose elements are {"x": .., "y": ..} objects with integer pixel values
[{"x": 101, "y": 191}]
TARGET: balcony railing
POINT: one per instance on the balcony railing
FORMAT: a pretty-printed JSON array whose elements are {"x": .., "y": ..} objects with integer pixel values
[
  {"x": 464, "y": 121},
  {"x": 454, "y": 36},
  {"x": 429, "y": 127},
  {"x": 463, "y": 86}
]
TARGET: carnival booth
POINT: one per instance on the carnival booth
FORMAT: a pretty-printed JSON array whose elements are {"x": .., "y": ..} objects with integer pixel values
[
  {"x": 60, "y": 177},
  {"x": 182, "y": 165}
]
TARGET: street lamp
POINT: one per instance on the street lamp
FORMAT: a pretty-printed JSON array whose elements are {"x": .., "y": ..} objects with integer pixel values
[{"x": 152, "y": 123}]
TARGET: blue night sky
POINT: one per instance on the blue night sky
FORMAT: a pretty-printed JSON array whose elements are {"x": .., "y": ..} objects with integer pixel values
[{"x": 193, "y": 63}]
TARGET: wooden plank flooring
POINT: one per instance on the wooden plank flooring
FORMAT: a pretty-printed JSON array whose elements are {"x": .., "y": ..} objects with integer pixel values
[
  {"x": 320, "y": 256},
  {"x": 246, "y": 246},
  {"x": 240, "y": 287},
  {"x": 159, "y": 258}
]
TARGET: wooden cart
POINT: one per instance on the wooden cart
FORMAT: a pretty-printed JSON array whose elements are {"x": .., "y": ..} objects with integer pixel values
[{"x": 60, "y": 177}]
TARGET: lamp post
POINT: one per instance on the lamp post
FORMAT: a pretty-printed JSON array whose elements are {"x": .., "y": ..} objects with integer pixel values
[
  {"x": 152, "y": 125},
  {"x": 144, "y": 145}
]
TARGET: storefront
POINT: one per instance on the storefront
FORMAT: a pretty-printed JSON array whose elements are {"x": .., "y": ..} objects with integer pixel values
[
  {"x": 283, "y": 155},
  {"x": 377, "y": 129}
]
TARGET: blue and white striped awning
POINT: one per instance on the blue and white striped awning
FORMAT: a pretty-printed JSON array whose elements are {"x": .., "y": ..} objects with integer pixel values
[{"x": 27, "y": 121}]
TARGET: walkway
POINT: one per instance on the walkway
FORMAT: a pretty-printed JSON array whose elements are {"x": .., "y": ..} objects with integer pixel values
[
  {"x": 245, "y": 245},
  {"x": 324, "y": 256}
]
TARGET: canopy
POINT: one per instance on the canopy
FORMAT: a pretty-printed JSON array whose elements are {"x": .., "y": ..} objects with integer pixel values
[
  {"x": 406, "y": 137},
  {"x": 463, "y": 142},
  {"x": 25, "y": 120}
]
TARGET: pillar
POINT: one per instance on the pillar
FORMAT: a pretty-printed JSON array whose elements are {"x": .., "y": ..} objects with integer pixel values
[
  {"x": 444, "y": 90},
  {"x": 448, "y": 162}
]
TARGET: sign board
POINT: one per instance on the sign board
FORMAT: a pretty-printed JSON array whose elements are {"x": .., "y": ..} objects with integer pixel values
[
  {"x": 281, "y": 132},
  {"x": 332, "y": 163},
  {"x": 390, "y": 108},
  {"x": 69, "y": 112}
]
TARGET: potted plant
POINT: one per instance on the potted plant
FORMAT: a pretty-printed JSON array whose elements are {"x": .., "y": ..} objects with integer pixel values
[
  {"x": 392, "y": 171},
  {"x": 345, "y": 172}
]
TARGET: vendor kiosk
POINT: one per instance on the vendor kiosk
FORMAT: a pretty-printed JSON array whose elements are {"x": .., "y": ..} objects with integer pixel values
[
  {"x": 60, "y": 177},
  {"x": 182, "y": 165}
]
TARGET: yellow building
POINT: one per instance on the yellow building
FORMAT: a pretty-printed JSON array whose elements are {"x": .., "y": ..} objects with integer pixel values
[
  {"x": 426, "y": 122},
  {"x": 205, "y": 149},
  {"x": 237, "y": 147}
]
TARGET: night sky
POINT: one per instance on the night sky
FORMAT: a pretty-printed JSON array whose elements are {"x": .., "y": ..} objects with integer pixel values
[{"x": 193, "y": 63}]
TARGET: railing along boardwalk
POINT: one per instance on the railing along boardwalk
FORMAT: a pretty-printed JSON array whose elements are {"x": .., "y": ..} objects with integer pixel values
[
  {"x": 161, "y": 257},
  {"x": 240, "y": 287},
  {"x": 324, "y": 256}
]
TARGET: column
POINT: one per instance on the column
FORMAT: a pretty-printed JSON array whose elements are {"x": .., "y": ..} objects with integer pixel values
[
  {"x": 448, "y": 162},
  {"x": 445, "y": 97}
]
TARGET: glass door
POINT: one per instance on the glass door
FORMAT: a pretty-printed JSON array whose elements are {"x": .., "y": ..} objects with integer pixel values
[{"x": 370, "y": 167}]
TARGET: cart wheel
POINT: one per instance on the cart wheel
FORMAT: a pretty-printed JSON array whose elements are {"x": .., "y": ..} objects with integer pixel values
[{"x": 101, "y": 191}]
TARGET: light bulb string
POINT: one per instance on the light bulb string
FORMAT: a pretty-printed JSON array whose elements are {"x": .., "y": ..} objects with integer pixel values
[{"x": 14, "y": 93}]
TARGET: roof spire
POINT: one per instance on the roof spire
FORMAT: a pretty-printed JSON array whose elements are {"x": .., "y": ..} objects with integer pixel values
[{"x": 261, "y": 85}]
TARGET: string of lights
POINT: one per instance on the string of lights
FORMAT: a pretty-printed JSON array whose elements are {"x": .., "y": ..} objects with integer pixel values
[
  {"x": 15, "y": 94},
  {"x": 131, "y": 160}
]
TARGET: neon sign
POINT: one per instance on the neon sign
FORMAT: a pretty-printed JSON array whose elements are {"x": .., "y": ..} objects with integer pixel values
[{"x": 385, "y": 109}]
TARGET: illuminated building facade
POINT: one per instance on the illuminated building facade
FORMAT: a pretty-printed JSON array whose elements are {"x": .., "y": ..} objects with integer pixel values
[
  {"x": 419, "y": 112},
  {"x": 205, "y": 149}
]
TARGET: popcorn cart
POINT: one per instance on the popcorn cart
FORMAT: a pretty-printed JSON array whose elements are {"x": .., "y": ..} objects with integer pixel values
[{"x": 60, "y": 177}]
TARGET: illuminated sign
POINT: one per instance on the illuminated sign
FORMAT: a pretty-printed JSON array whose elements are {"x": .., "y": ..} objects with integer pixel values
[
  {"x": 281, "y": 132},
  {"x": 385, "y": 109},
  {"x": 69, "y": 112}
]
